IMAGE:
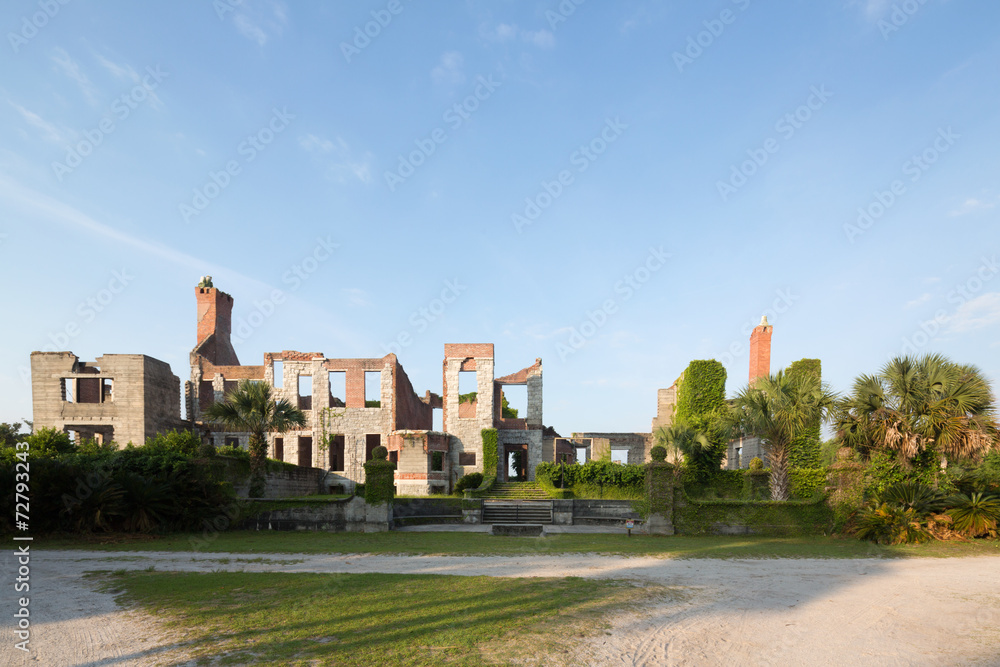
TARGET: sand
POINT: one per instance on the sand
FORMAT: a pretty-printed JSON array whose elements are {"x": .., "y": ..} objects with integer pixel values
[{"x": 919, "y": 611}]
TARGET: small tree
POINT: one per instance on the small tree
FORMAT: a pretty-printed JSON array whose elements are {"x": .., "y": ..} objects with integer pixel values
[
  {"x": 778, "y": 409},
  {"x": 251, "y": 409}
]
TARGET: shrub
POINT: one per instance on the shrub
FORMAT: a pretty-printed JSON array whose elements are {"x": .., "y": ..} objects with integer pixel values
[
  {"x": 976, "y": 515},
  {"x": 658, "y": 453},
  {"x": 471, "y": 481},
  {"x": 922, "y": 499},
  {"x": 806, "y": 482},
  {"x": 182, "y": 442},
  {"x": 890, "y": 524},
  {"x": 756, "y": 463}
]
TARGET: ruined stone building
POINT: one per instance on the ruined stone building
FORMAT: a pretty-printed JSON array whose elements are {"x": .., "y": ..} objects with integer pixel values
[
  {"x": 120, "y": 397},
  {"x": 351, "y": 405},
  {"x": 741, "y": 451}
]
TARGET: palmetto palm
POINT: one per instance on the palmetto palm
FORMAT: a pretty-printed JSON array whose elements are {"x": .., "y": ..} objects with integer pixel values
[
  {"x": 250, "y": 408},
  {"x": 776, "y": 409},
  {"x": 694, "y": 445},
  {"x": 918, "y": 403}
]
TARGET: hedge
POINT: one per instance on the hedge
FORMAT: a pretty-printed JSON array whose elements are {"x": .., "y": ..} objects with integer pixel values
[
  {"x": 790, "y": 517},
  {"x": 379, "y": 478},
  {"x": 804, "y": 483}
]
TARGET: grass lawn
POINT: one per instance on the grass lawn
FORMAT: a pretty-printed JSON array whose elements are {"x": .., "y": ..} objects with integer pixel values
[
  {"x": 482, "y": 544},
  {"x": 375, "y": 619}
]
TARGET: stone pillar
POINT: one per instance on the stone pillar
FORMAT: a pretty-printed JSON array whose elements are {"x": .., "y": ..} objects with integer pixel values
[{"x": 660, "y": 494}]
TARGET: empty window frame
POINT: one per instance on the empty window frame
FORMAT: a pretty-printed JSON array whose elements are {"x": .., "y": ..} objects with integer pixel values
[
  {"x": 305, "y": 451},
  {"x": 581, "y": 454},
  {"x": 338, "y": 389},
  {"x": 619, "y": 456},
  {"x": 373, "y": 389},
  {"x": 279, "y": 449},
  {"x": 517, "y": 401},
  {"x": 69, "y": 390},
  {"x": 337, "y": 453},
  {"x": 372, "y": 440},
  {"x": 437, "y": 461},
  {"x": 232, "y": 441},
  {"x": 437, "y": 419},
  {"x": 279, "y": 374},
  {"x": 468, "y": 383},
  {"x": 107, "y": 390},
  {"x": 305, "y": 390}
]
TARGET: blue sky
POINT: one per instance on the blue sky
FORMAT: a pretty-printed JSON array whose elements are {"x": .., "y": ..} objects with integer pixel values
[{"x": 617, "y": 188}]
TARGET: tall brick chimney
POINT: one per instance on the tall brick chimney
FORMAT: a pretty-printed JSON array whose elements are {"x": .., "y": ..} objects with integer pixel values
[
  {"x": 215, "y": 317},
  {"x": 760, "y": 350}
]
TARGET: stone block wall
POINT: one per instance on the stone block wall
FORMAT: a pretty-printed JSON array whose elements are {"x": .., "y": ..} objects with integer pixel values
[
  {"x": 636, "y": 444},
  {"x": 143, "y": 399}
]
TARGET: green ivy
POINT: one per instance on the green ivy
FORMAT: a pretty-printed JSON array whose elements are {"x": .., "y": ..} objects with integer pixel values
[
  {"x": 790, "y": 517},
  {"x": 702, "y": 392},
  {"x": 659, "y": 488},
  {"x": 804, "y": 483},
  {"x": 490, "y": 459},
  {"x": 805, "y": 449},
  {"x": 379, "y": 478}
]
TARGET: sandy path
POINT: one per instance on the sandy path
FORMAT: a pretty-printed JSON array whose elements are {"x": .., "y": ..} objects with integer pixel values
[{"x": 731, "y": 612}]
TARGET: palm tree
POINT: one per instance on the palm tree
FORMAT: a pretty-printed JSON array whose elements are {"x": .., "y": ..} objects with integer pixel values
[
  {"x": 777, "y": 409},
  {"x": 698, "y": 449},
  {"x": 250, "y": 408},
  {"x": 919, "y": 404}
]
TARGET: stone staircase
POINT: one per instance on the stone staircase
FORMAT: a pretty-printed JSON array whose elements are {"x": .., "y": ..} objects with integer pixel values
[
  {"x": 517, "y": 491},
  {"x": 517, "y": 511}
]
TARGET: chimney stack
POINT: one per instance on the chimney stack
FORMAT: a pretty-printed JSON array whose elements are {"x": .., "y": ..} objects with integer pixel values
[
  {"x": 760, "y": 350},
  {"x": 215, "y": 317}
]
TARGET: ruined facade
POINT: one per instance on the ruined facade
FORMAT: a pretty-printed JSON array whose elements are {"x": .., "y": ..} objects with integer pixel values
[{"x": 121, "y": 397}]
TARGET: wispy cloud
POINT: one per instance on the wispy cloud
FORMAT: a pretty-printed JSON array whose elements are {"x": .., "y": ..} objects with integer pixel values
[
  {"x": 972, "y": 205},
  {"x": 980, "y": 312},
  {"x": 260, "y": 21},
  {"x": 71, "y": 68},
  {"x": 337, "y": 158},
  {"x": 49, "y": 131},
  {"x": 506, "y": 32},
  {"x": 449, "y": 69},
  {"x": 920, "y": 300},
  {"x": 34, "y": 203},
  {"x": 355, "y": 296},
  {"x": 127, "y": 73}
]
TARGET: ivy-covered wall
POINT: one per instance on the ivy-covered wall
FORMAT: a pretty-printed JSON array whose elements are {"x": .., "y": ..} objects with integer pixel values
[
  {"x": 490, "y": 460},
  {"x": 805, "y": 451},
  {"x": 712, "y": 517},
  {"x": 701, "y": 392}
]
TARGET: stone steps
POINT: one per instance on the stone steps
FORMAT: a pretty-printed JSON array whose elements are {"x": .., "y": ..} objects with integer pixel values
[{"x": 518, "y": 491}]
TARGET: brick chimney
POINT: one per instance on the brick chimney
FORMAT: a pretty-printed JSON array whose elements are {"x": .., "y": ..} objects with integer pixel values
[
  {"x": 215, "y": 316},
  {"x": 760, "y": 350}
]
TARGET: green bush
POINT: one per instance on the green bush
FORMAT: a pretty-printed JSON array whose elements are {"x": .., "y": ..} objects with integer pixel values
[
  {"x": 471, "y": 481},
  {"x": 183, "y": 442},
  {"x": 379, "y": 478},
  {"x": 890, "y": 524},
  {"x": 976, "y": 515},
  {"x": 804, "y": 483},
  {"x": 490, "y": 455}
]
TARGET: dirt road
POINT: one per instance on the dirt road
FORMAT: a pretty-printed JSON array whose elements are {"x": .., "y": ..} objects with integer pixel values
[{"x": 730, "y": 612}]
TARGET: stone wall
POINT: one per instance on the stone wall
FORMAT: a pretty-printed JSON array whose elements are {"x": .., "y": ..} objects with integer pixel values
[
  {"x": 133, "y": 397},
  {"x": 348, "y": 515},
  {"x": 466, "y": 433},
  {"x": 636, "y": 444},
  {"x": 289, "y": 483}
]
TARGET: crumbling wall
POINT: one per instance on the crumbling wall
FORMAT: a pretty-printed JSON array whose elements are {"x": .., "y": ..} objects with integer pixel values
[
  {"x": 465, "y": 431},
  {"x": 140, "y": 398},
  {"x": 602, "y": 444}
]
